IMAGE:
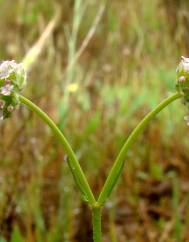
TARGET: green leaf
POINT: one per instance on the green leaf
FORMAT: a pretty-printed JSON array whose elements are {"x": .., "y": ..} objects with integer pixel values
[{"x": 16, "y": 235}]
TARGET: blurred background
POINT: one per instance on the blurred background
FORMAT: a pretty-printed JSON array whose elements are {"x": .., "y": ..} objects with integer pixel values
[{"x": 102, "y": 67}]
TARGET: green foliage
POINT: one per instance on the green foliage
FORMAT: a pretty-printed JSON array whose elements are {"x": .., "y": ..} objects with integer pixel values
[{"x": 16, "y": 235}]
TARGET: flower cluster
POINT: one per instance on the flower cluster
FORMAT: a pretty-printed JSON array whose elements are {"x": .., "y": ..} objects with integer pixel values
[
  {"x": 183, "y": 77},
  {"x": 12, "y": 81},
  {"x": 182, "y": 84}
]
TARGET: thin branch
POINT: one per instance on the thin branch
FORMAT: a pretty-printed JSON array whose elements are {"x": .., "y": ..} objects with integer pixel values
[{"x": 89, "y": 36}]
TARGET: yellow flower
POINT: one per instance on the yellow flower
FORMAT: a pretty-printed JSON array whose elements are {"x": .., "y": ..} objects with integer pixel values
[{"x": 73, "y": 87}]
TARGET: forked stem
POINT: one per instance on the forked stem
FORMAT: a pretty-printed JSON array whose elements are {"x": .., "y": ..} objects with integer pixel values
[
  {"x": 73, "y": 162},
  {"x": 118, "y": 166}
]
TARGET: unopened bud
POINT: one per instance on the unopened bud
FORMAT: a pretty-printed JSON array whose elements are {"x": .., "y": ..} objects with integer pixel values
[{"x": 10, "y": 108}]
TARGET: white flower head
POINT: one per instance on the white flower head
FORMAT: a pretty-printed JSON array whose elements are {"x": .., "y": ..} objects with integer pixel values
[{"x": 12, "y": 81}]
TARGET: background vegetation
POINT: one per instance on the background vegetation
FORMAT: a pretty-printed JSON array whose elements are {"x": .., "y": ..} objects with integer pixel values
[{"x": 97, "y": 96}]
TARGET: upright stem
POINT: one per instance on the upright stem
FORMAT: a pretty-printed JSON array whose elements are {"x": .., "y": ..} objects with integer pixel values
[
  {"x": 96, "y": 220},
  {"x": 120, "y": 160},
  {"x": 74, "y": 163}
]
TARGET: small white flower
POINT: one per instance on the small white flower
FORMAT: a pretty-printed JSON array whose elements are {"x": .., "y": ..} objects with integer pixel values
[
  {"x": 4, "y": 70},
  {"x": 6, "y": 90},
  {"x": 182, "y": 79},
  {"x": 185, "y": 59},
  {"x": 7, "y": 68},
  {"x": 184, "y": 64}
]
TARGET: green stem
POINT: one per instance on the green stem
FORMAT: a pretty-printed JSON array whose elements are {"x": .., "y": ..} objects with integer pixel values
[
  {"x": 96, "y": 220},
  {"x": 73, "y": 162},
  {"x": 120, "y": 160}
]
